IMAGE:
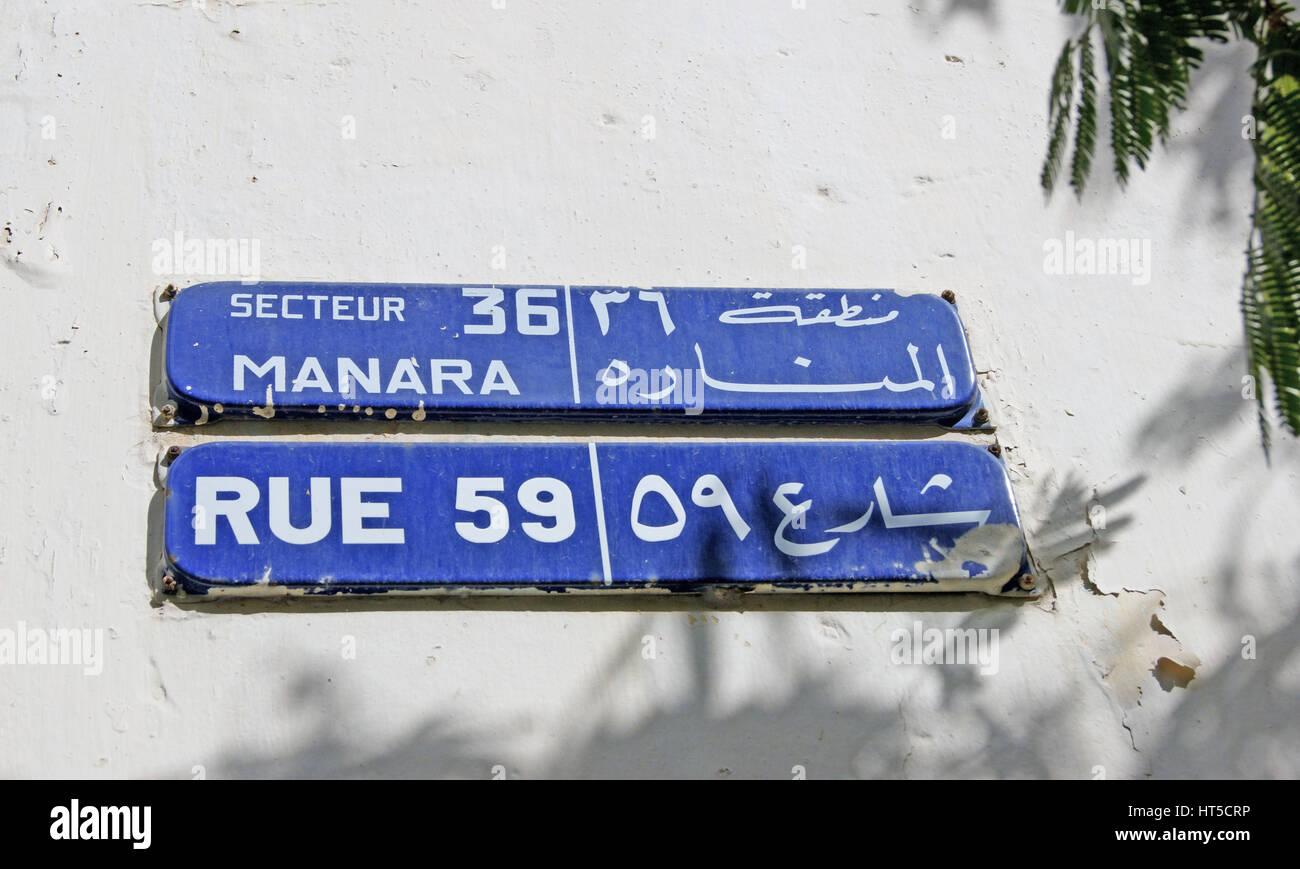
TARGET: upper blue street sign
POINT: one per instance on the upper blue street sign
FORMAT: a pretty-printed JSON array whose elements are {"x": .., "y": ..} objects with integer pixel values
[
  {"x": 409, "y": 351},
  {"x": 562, "y": 516}
]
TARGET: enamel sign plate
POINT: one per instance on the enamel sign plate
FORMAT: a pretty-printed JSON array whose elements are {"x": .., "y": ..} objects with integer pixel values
[
  {"x": 407, "y": 351},
  {"x": 563, "y": 516}
]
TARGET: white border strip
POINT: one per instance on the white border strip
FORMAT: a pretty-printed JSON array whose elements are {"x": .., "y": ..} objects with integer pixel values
[
  {"x": 573, "y": 360},
  {"x": 600, "y": 510}
]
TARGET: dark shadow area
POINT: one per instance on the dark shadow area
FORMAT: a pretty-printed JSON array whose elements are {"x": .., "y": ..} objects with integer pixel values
[
  {"x": 280, "y": 429},
  {"x": 1242, "y": 720},
  {"x": 436, "y": 749},
  {"x": 1217, "y": 144},
  {"x": 1078, "y": 517},
  {"x": 985, "y": 10},
  {"x": 920, "y": 602},
  {"x": 1204, "y": 405},
  {"x": 813, "y": 728},
  {"x": 153, "y": 541}
]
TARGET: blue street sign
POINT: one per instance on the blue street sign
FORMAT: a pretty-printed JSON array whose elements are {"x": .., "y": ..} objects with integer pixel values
[
  {"x": 554, "y": 516},
  {"x": 409, "y": 351}
]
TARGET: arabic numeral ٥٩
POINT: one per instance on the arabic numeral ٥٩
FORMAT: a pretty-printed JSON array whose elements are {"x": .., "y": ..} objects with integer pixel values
[{"x": 708, "y": 491}]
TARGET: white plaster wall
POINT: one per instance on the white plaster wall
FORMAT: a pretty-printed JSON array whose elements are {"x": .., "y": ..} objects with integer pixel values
[{"x": 522, "y": 127}]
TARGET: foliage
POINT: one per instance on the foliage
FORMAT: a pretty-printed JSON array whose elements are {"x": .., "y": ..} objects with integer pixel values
[{"x": 1150, "y": 48}]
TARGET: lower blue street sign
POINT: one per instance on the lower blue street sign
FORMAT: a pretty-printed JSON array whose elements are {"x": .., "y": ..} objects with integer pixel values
[
  {"x": 437, "y": 351},
  {"x": 591, "y": 516}
]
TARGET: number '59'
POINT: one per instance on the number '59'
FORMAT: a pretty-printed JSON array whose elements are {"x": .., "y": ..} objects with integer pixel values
[{"x": 545, "y": 497}]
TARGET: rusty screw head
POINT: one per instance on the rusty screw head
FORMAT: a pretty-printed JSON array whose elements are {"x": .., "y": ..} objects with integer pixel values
[
  {"x": 168, "y": 410},
  {"x": 171, "y": 454},
  {"x": 169, "y": 584},
  {"x": 996, "y": 449},
  {"x": 168, "y": 293},
  {"x": 981, "y": 416},
  {"x": 1028, "y": 581},
  {"x": 949, "y": 296}
]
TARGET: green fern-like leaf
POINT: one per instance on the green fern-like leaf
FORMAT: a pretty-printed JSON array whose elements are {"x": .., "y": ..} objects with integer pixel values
[
  {"x": 1058, "y": 116},
  {"x": 1085, "y": 125},
  {"x": 1271, "y": 296},
  {"x": 1151, "y": 49}
]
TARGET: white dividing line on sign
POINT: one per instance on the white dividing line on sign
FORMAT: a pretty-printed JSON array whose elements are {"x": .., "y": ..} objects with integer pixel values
[
  {"x": 600, "y": 513},
  {"x": 573, "y": 359}
]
